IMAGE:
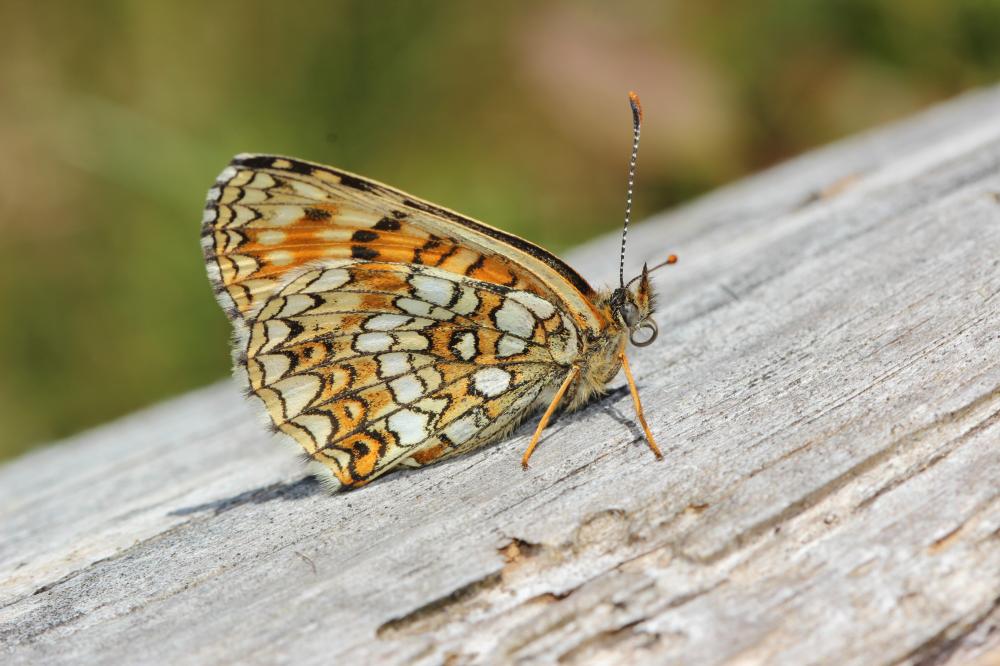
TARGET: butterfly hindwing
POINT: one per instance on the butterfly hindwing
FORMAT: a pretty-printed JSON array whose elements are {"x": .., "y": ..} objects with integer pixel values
[{"x": 371, "y": 365}]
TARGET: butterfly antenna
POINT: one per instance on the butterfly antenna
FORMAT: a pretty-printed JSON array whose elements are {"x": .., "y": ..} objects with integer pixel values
[
  {"x": 672, "y": 259},
  {"x": 633, "y": 100}
]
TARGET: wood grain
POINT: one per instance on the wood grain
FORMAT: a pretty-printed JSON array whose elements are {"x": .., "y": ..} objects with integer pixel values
[{"x": 826, "y": 389}]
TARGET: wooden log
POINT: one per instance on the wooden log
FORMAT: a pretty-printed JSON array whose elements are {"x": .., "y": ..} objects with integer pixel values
[{"x": 826, "y": 389}]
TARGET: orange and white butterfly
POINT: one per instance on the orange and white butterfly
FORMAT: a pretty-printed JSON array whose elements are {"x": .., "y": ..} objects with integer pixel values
[{"x": 380, "y": 330}]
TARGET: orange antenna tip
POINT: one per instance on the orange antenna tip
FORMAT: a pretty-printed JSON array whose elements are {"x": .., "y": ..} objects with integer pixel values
[
  {"x": 672, "y": 259},
  {"x": 633, "y": 100}
]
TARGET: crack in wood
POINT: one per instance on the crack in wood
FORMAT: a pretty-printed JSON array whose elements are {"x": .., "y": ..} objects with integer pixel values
[
  {"x": 838, "y": 482},
  {"x": 939, "y": 648},
  {"x": 610, "y": 641},
  {"x": 432, "y": 615},
  {"x": 944, "y": 450}
]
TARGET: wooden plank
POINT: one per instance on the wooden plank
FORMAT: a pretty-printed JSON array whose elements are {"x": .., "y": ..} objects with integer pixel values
[{"x": 826, "y": 388}]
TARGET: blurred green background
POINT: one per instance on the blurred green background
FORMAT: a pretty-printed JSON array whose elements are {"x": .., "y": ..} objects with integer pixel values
[{"x": 115, "y": 117}]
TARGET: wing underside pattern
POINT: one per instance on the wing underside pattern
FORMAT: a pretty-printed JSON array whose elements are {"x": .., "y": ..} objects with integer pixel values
[
  {"x": 371, "y": 365},
  {"x": 268, "y": 216},
  {"x": 378, "y": 329}
]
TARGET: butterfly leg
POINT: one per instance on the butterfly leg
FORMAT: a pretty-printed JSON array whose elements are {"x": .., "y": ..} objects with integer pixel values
[
  {"x": 638, "y": 405},
  {"x": 548, "y": 414}
]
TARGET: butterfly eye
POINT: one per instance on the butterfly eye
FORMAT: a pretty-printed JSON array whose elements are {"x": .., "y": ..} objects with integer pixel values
[
  {"x": 629, "y": 313},
  {"x": 649, "y": 325}
]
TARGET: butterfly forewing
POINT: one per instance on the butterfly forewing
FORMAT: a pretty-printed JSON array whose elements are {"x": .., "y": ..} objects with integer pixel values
[{"x": 269, "y": 215}]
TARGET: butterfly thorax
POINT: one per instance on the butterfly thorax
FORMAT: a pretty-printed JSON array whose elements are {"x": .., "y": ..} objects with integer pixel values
[
  {"x": 625, "y": 313},
  {"x": 600, "y": 362}
]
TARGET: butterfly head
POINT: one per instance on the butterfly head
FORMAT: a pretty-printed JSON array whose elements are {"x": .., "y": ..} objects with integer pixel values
[{"x": 633, "y": 307}]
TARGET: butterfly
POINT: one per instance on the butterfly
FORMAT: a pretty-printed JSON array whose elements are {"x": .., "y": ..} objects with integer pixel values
[{"x": 382, "y": 331}]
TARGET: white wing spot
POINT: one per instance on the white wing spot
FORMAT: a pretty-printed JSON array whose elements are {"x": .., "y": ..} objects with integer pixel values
[
  {"x": 514, "y": 318},
  {"x": 386, "y": 322},
  {"x": 373, "y": 342},
  {"x": 433, "y": 289},
  {"x": 510, "y": 346},
  {"x": 406, "y": 389},
  {"x": 466, "y": 303},
  {"x": 208, "y": 216},
  {"x": 467, "y": 427},
  {"x": 409, "y": 426},
  {"x": 462, "y": 430},
  {"x": 419, "y": 308},
  {"x": 279, "y": 257},
  {"x": 271, "y": 237},
  {"x": 541, "y": 307},
  {"x": 491, "y": 382},
  {"x": 466, "y": 346},
  {"x": 394, "y": 364},
  {"x": 334, "y": 234},
  {"x": 282, "y": 216}
]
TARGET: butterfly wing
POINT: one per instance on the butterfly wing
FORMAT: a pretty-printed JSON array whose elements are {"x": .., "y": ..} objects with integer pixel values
[
  {"x": 269, "y": 215},
  {"x": 381, "y": 330},
  {"x": 372, "y": 365}
]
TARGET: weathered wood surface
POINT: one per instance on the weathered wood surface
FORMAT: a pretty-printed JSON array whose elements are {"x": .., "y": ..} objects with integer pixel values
[{"x": 826, "y": 388}]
